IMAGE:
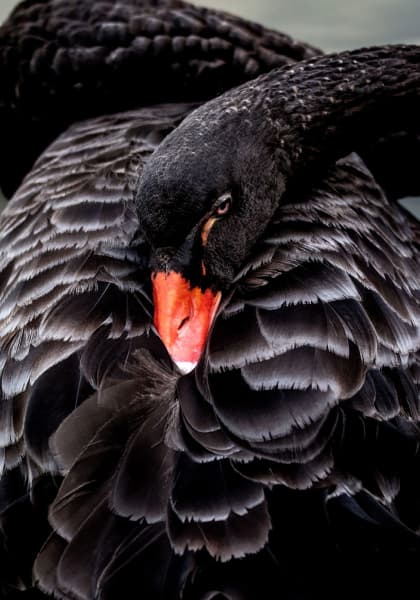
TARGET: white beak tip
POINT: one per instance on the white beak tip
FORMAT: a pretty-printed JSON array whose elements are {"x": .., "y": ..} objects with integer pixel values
[{"x": 185, "y": 367}]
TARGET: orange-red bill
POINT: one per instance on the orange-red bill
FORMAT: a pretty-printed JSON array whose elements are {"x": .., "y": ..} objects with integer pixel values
[{"x": 183, "y": 317}]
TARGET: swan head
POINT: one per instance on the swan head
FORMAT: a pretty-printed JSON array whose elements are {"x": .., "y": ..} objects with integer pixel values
[{"x": 205, "y": 197}]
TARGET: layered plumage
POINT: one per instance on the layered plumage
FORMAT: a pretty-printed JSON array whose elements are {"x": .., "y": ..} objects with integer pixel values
[{"x": 291, "y": 450}]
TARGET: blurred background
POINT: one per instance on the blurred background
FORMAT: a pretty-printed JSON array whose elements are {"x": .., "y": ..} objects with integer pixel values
[{"x": 329, "y": 24}]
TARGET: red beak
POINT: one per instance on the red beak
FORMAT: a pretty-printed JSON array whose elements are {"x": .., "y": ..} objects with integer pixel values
[{"x": 183, "y": 317}]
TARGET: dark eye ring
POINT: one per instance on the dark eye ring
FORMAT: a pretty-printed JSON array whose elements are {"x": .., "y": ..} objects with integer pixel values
[{"x": 224, "y": 206}]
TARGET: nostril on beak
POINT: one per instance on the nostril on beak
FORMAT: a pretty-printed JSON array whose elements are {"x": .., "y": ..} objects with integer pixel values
[{"x": 183, "y": 322}]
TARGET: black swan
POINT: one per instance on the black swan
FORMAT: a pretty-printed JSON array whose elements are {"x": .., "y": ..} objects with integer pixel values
[{"x": 265, "y": 443}]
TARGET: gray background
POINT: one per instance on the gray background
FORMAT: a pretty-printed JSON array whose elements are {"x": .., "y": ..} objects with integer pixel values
[{"x": 330, "y": 24}]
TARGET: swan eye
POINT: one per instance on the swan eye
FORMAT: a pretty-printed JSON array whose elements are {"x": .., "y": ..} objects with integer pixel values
[{"x": 224, "y": 206}]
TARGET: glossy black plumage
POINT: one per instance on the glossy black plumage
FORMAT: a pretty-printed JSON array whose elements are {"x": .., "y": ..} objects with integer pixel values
[
  {"x": 83, "y": 59},
  {"x": 299, "y": 426}
]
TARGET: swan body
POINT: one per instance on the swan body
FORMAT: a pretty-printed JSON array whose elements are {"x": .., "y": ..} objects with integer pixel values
[{"x": 290, "y": 451}]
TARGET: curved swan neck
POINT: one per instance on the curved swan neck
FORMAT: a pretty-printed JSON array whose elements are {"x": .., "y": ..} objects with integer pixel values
[
  {"x": 292, "y": 120},
  {"x": 324, "y": 108},
  {"x": 300, "y": 117},
  {"x": 266, "y": 136}
]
